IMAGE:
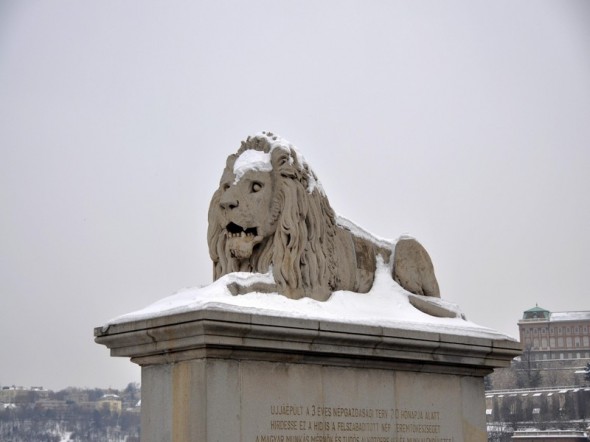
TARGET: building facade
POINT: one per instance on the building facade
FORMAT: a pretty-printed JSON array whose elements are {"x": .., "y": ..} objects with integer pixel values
[{"x": 555, "y": 335}]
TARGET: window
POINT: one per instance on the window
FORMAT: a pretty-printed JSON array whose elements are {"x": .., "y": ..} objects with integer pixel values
[
  {"x": 544, "y": 330},
  {"x": 551, "y": 330},
  {"x": 559, "y": 330},
  {"x": 567, "y": 331}
]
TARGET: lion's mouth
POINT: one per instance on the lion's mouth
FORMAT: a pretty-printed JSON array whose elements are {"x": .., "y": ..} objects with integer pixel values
[
  {"x": 233, "y": 230},
  {"x": 241, "y": 241}
]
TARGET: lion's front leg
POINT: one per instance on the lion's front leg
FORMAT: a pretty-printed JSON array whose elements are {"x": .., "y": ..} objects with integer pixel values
[
  {"x": 237, "y": 288},
  {"x": 413, "y": 270}
]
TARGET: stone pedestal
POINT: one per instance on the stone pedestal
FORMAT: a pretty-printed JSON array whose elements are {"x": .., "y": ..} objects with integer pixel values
[{"x": 214, "y": 375}]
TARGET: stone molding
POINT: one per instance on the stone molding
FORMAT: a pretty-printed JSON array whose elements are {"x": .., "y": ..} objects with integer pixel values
[{"x": 234, "y": 335}]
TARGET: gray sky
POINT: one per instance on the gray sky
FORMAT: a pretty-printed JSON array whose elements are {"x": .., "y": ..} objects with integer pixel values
[{"x": 465, "y": 124}]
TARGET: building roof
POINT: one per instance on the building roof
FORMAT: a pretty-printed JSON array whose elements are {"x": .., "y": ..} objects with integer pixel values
[
  {"x": 570, "y": 316},
  {"x": 544, "y": 314},
  {"x": 536, "y": 313}
]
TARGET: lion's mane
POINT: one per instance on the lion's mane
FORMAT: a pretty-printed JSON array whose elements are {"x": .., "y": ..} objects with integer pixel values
[{"x": 299, "y": 251}]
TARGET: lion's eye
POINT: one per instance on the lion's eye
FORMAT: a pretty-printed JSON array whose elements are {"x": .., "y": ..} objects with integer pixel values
[
  {"x": 225, "y": 186},
  {"x": 256, "y": 187}
]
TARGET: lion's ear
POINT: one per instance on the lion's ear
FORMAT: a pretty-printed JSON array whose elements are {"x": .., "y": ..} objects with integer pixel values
[{"x": 231, "y": 159}]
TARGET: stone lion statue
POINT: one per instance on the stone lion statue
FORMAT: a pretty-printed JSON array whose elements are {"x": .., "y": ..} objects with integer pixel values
[{"x": 270, "y": 214}]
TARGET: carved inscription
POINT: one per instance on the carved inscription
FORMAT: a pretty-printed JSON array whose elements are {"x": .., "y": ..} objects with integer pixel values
[{"x": 318, "y": 423}]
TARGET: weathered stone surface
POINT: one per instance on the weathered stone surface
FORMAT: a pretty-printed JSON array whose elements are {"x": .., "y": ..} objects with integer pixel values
[{"x": 270, "y": 212}]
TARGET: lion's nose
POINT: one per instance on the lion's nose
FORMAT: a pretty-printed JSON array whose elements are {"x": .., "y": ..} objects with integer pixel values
[{"x": 229, "y": 203}]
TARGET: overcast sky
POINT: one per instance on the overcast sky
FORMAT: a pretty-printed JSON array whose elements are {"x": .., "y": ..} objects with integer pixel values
[{"x": 463, "y": 123}]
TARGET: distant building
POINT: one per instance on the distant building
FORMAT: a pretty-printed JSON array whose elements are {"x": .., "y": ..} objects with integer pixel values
[
  {"x": 536, "y": 407},
  {"x": 555, "y": 335},
  {"x": 76, "y": 395},
  {"x": 11, "y": 394},
  {"x": 110, "y": 402},
  {"x": 51, "y": 404}
]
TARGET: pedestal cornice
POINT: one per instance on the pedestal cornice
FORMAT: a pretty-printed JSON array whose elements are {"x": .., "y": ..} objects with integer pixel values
[{"x": 212, "y": 333}]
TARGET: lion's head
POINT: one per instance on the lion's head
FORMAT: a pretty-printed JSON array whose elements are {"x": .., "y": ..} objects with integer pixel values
[{"x": 270, "y": 212}]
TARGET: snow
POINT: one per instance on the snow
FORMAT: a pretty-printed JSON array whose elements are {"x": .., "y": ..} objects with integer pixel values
[
  {"x": 385, "y": 305},
  {"x": 65, "y": 437},
  {"x": 251, "y": 160},
  {"x": 569, "y": 316},
  {"x": 361, "y": 233}
]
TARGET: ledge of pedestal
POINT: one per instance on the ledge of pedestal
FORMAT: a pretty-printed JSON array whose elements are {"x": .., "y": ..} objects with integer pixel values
[{"x": 214, "y": 333}]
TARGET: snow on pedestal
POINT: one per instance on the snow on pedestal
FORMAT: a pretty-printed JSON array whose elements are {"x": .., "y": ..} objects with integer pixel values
[{"x": 261, "y": 367}]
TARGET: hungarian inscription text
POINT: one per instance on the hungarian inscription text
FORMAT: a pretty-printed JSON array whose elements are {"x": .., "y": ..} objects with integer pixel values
[{"x": 293, "y": 422}]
